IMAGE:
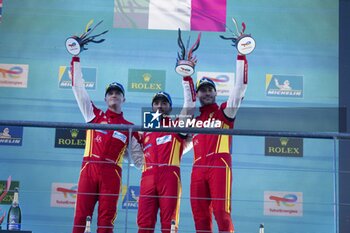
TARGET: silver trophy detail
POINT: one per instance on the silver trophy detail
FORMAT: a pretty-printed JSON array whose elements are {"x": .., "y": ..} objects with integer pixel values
[{"x": 244, "y": 43}]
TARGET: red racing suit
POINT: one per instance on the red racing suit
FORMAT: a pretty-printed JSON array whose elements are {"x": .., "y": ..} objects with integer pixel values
[
  {"x": 160, "y": 183},
  {"x": 160, "y": 186},
  {"x": 100, "y": 175},
  {"x": 211, "y": 177}
]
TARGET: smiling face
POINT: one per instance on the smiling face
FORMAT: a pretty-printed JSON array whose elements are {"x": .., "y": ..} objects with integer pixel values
[
  {"x": 162, "y": 105},
  {"x": 114, "y": 99},
  {"x": 206, "y": 95}
]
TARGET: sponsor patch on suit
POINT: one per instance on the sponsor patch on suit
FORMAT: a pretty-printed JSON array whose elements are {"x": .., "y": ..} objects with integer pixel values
[{"x": 164, "y": 139}]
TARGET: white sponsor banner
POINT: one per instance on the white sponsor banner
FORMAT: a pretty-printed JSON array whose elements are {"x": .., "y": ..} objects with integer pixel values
[
  {"x": 14, "y": 75},
  {"x": 278, "y": 203},
  {"x": 63, "y": 195},
  {"x": 223, "y": 81}
]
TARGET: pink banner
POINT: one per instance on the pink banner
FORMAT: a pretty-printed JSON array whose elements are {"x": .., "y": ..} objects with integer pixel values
[
  {"x": 208, "y": 15},
  {"x": 0, "y": 10}
]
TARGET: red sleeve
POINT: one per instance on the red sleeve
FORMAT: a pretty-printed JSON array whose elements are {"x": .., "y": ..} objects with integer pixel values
[
  {"x": 74, "y": 59},
  {"x": 224, "y": 118}
]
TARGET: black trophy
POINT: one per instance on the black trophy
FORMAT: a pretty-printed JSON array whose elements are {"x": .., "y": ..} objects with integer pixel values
[
  {"x": 75, "y": 44},
  {"x": 186, "y": 62},
  {"x": 244, "y": 43}
]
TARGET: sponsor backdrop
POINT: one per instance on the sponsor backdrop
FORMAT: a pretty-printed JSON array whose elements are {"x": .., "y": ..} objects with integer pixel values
[
  {"x": 285, "y": 183},
  {"x": 284, "y": 146},
  {"x": 65, "y": 82},
  {"x": 7, "y": 200},
  {"x": 70, "y": 138}
]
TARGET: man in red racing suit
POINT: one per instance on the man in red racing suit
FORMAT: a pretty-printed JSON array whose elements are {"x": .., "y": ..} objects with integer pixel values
[
  {"x": 160, "y": 183},
  {"x": 211, "y": 177},
  {"x": 100, "y": 175}
]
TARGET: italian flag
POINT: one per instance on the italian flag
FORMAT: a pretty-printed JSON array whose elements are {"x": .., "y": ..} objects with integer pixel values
[{"x": 195, "y": 15}]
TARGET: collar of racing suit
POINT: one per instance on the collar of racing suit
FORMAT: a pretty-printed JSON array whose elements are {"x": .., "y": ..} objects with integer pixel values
[
  {"x": 112, "y": 114},
  {"x": 209, "y": 108}
]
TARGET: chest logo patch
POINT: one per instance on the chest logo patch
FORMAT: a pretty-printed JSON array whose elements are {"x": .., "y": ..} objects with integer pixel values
[
  {"x": 120, "y": 136},
  {"x": 164, "y": 139}
]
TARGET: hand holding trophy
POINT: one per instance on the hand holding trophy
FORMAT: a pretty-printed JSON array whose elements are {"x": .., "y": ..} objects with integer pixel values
[
  {"x": 75, "y": 44},
  {"x": 244, "y": 43},
  {"x": 186, "y": 61}
]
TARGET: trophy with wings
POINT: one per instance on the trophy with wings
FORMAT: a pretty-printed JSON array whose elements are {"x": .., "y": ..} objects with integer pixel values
[
  {"x": 76, "y": 44},
  {"x": 186, "y": 61},
  {"x": 244, "y": 43}
]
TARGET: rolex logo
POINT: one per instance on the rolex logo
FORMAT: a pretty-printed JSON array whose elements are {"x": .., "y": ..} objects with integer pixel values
[
  {"x": 284, "y": 141},
  {"x": 70, "y": 138},
  {"x": 146, "y": 77},
  {"x": 284, "y": 146},
  {"x": 146, "y": 80},
  {"x": 74, "y": 133}
]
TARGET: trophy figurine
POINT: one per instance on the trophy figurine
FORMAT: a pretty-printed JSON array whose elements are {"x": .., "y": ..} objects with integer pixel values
[
  {"x": 186, "y": 62},
  {"x": 75, "y": 44},
  {"x": 244, "y": 43}
]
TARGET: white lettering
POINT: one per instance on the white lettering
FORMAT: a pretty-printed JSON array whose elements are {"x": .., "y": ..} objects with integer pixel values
[
  {"x": 209, "y": 123},
  {"x": 199, "y": 124},
  {"x": 181, "y": 124},
  {"x": 190, "y": 122},
  {"x": 217, "y": 124}
]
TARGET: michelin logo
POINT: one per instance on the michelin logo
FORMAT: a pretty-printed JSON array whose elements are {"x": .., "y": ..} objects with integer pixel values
[{"x": 284, "y": 85}]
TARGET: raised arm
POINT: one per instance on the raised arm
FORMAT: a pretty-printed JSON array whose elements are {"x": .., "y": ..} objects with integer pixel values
[
  {"x": 189, "y": 97},
  {"x": 80, "y": 93},
  {"x": 238, "y": 91},
  {"x": 188, "y": 109}
]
